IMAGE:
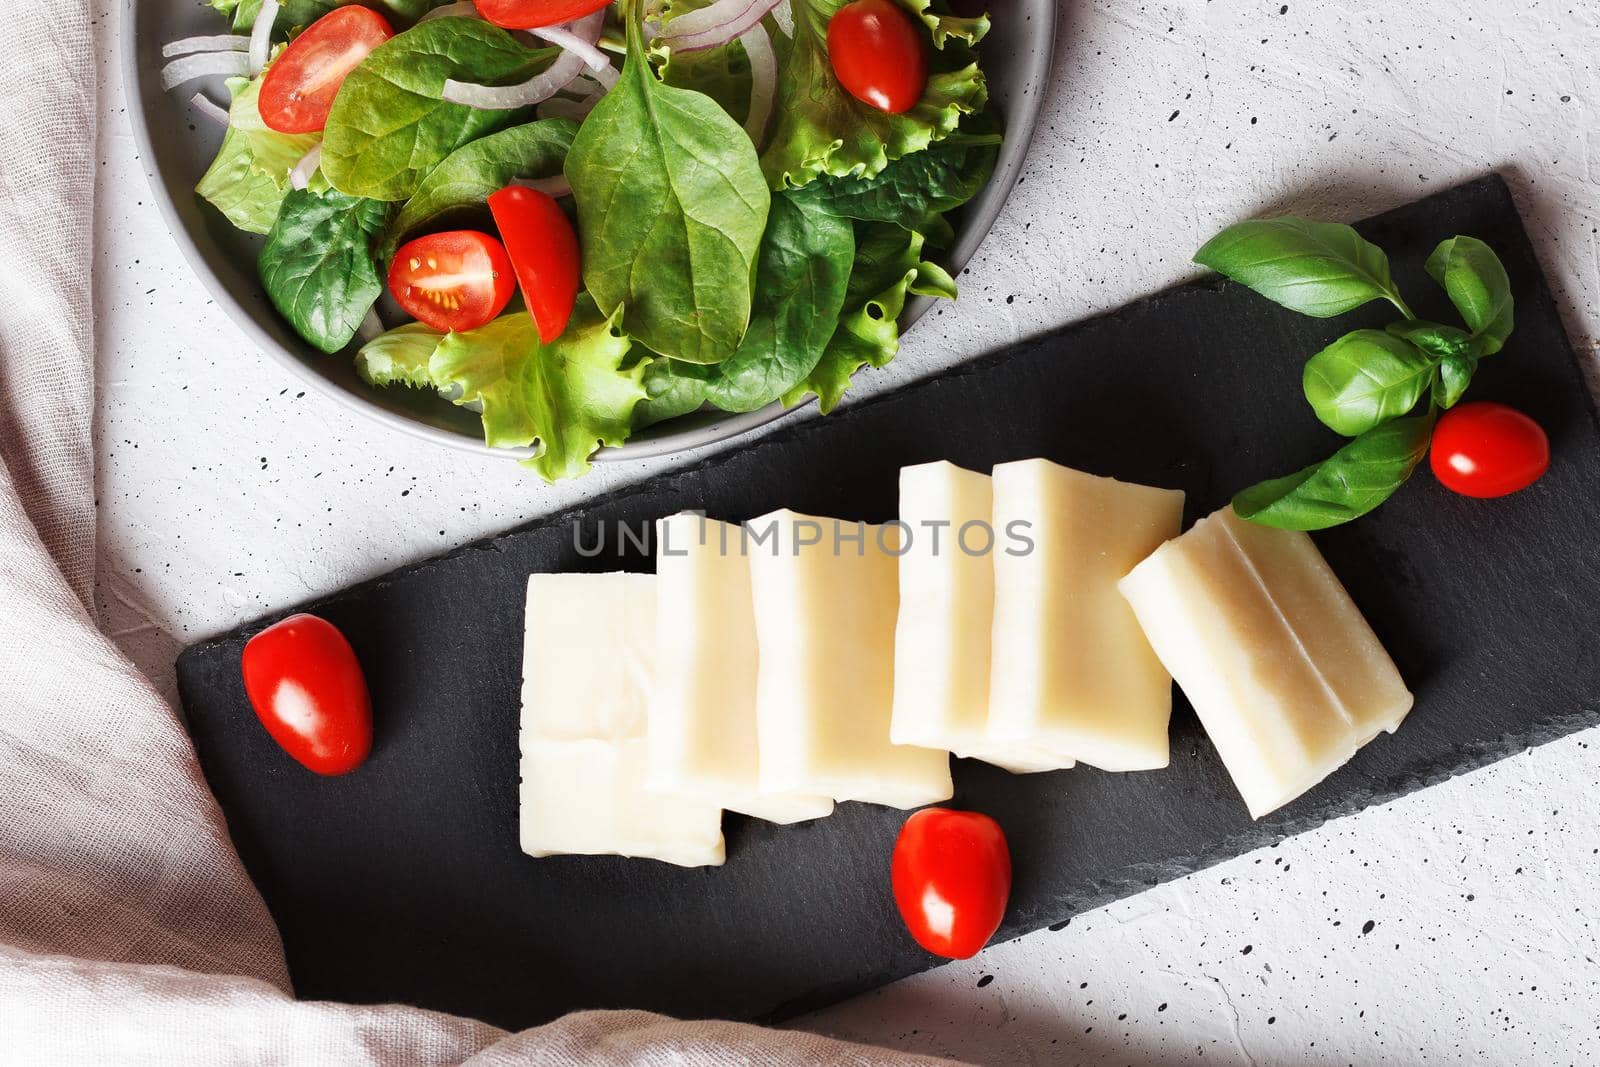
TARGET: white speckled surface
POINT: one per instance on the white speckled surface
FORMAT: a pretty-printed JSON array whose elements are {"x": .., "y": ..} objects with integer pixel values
[{"x": 226, "y": 491}]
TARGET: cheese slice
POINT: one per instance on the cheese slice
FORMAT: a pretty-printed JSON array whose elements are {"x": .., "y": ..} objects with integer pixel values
[
  {"x": 1285, "y": 674},
  {"x": 588, "y": 666},
  {"x": 702, "y": 721},
  {"x": 825, "y": 602},
  {"x": 588, "y": 655},
  {"x": 587, "y": 797},
  {"x": 1071, "y": 670},
  {"x": 942, "y": 635}
]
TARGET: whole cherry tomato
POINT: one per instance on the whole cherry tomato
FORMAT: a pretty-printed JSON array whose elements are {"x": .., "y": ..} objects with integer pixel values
[
  {"x": 1486, "y": 450},
  {"x": 298, "y": 90},
  {"x": 544, "y": 252},
  {"x": 308, "y": 691},
  {"x": 457, "y": 280},
  {"x": 952, "y": 877},
  {"x": 532, "y": 14},
  {"x": 878, "y": 54}
]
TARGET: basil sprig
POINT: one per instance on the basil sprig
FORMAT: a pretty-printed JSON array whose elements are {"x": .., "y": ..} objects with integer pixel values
[{"x": 1368, "y": 384}]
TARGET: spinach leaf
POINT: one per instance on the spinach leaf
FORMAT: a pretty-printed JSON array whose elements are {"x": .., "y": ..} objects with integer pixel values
[
  {"x": 671, "y": 389},
  {"x": 819, "y": 128},
  {"x": 805, "y": 263},
  {"x": 389, "y": 128},
  {"x": 671, "y": 208},
  {"x": 1346, "y": 485},
  {"x": 305, "y": 12},
  {"x": 570, "y": 396},
  {"x": 317, "y": 264},
  {"x": 888, "y": 266},
  {"x": 468, "y": 175},
  {"x": 722, "y": 73},
  {"x": 1365, "y": 378},
  {"x": 1477, "y": 284},
  {"x": 912, "y": 190},
  {"x": 400, "y": 356},
  {"x": 1320, "y": 269}
]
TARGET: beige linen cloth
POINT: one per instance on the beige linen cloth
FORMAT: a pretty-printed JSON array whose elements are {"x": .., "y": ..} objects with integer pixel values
[{"x": 129, "y": 932}]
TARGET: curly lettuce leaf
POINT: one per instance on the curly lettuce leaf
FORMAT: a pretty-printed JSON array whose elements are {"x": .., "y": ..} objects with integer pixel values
[
  {"x": 570, "y": 396},
  {"x": 889, "y": 266},
  {"x": 819, "y": 128},
  {"x": 249, "y": 179},
  {"x": 400, "y": 356}
]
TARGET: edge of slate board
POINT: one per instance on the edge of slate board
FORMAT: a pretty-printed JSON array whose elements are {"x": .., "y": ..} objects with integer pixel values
[{"x": 1492, "y": 193}]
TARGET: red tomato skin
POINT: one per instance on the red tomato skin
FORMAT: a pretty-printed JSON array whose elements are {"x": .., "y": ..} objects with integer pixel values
[
  {"x": 350, "y": 33},
  {"x": 1485, "y": 450},
  {"x": 951, "y": 874},
  {"x": 878, "y": 54},
  {"x": 308, "y": 690},
  {"x": 533, "y": 14},
  {"x": 544, "y": 252},
  {"x": 452, "y": 252}
]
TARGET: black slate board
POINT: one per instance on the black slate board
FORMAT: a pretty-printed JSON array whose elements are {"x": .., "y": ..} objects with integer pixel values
[{"x": 404, "y": 881}]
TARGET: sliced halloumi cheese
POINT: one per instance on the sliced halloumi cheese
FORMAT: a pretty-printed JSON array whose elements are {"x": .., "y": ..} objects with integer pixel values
[
  {"x": 826, "y": 596},
  {"x": 588, "y": 655},
  {"x": 1285, "y": 674},
  {"x": 702, "y": 721},
  {"x": 943, "y": 632},
  {"x": 588, "y": 666},
  {"x": 1071, "y": 670},
  {"x": 587, "y": 797}
]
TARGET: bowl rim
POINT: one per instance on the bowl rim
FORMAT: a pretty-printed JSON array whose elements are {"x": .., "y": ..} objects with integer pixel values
[{"x": 977, "y": 226}]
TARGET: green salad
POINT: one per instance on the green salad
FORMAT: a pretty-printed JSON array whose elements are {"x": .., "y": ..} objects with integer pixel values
[{"x": 581, "y": 218}]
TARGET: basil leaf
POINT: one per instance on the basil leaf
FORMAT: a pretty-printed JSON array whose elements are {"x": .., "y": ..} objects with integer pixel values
[
  {"x": 1320, "y": 269},
  {"x": 1455, "y": 374},
  {"x": 912, "y": 190},
  {"x": 806, "y": 259},
  {"x": 672, "y": 388},
  {"x": 389, "y": 128},
  {"x": 1365, "y": 378},
  {"x": 1436, "y": 340},
  {"x": 671, "y": 208},
  {"x": 1346, "y": 485},
  {"x": 1476, "y": 282},
  {"x": 472, "y": 172},
  {"x": 317, "y": 264}
]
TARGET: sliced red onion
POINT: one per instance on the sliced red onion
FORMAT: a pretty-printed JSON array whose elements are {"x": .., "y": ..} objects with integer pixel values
[
  {"x": 607, "y": 76},
  {"x": 227, "y": 42},
  {"x": 261, "y": 36},
  {"x": 562, "y": 37},
  {"x": 464, "y": 9},
  {"x": 568, "y": 65},
  {"x": 783, "y": 15},
  {"x": 560, "y": 107},
  {"x": 209, "y": 108},
  {"x": 763, "y": 81},
  {"x": 371, "y": 326},
  {"x": 203, "y": 65},
  {"x": 556, "y": 185},
  {"x": 300, "y": 177},
  {"x": 714, "y": 24}
]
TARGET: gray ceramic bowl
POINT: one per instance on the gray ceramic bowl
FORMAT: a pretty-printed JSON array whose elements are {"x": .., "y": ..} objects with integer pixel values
[{"x": 176, "y": 146}]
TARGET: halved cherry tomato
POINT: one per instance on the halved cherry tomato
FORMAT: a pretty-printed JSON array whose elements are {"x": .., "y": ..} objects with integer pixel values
[
  {"x": 457, "y": 280},
  {"x": 532, "y": 14},
  {"x": 1484, "y": 449},
  {"x": 878, "y": 54},
  {"x": 308, "y": 691},
  {"x": 298, "y": 91},
  {"x": 952, "y": 877},
  {"x": 544, "y": 251}
]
